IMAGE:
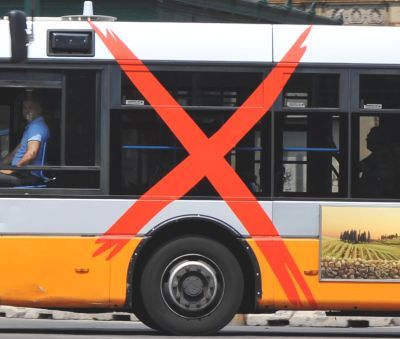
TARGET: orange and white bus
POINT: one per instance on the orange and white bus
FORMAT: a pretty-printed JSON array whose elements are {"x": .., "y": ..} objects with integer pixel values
[{"x": 201, "y": 170}]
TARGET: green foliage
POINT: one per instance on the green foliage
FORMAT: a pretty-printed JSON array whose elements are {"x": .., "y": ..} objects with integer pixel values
[
  {"x": 375, "y": 250},
  {"x": 354, "y": 237}
]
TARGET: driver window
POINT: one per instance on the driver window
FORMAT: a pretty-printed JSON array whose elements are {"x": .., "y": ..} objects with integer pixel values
[{"x": 48, "y": 130}]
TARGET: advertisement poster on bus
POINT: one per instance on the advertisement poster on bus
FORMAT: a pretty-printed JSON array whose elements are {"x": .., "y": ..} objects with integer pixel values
[{"x": 360, "y": 243}]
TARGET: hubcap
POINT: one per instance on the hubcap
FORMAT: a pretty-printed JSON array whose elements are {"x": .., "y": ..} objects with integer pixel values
[{"x": 192, "y": 286}]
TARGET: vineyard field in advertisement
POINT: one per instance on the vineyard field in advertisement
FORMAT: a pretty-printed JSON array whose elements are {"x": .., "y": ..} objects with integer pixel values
[{"x": 360, "y": 243}]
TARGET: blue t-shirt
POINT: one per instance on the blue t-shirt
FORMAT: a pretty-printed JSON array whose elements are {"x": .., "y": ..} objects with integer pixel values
[{"x": 36, "y": 130}]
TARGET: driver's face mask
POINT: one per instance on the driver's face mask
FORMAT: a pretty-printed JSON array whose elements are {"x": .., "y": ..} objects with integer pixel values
[
  {"x": 29, "y": 115},
  {"x": 30, "y": 110}
]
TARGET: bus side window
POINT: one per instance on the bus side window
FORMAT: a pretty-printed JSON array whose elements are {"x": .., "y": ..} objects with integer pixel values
[
  {"x": 78, "y": 140},
  {"x": 199, "y": 88},
  {"x": 43, "y": 105},
  {"x": 376, "y": 164},
  {"x": 312, "y": 90},
  {"x": 378, "y": 91},
  {"x": 80, "y": 118},
  {"x": 144, "y": 150},
  {"x": 311, "y": 136},
  {"x": 376, "y": 140},
  {"x": 312, "y": 155}
]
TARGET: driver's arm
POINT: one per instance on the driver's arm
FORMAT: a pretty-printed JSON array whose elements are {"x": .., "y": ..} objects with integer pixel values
[{"x": 30, "y": 154}]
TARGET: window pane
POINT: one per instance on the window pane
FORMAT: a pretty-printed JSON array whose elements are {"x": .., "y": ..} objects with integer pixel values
[
  {"x": 80, "y": 118},
  {"x": 66, "y": 120},
  {"x": 376, "y": 164},
  {"x": 144, "y": 150},
  {"x": 199, "y": 88},
  {"x": 310, "y": 157},
  {"x": 17, "y": 121},
  {"x": 312, "y": 90},
  {"x": 247, "y": 160},
  {"x": 379, "y": 91}
]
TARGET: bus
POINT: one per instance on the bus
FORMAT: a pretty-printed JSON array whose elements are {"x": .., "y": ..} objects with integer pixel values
[{"x": 199, "y": 170}]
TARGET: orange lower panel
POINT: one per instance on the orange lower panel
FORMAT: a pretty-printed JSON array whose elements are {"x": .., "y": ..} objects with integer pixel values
[
  {"x": 61, "y": 272},
  {"x": 332, "y": 295}
]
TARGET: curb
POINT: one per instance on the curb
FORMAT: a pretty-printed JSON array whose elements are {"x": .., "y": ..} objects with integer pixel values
[
  {"x": 279, "y": 318},
  {"x": 39, "y": 313},
  {"x": 317, "y": 319}
]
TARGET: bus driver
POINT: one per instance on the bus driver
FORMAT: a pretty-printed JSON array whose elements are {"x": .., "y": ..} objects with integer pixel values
[{"x": 30, "y": 150}]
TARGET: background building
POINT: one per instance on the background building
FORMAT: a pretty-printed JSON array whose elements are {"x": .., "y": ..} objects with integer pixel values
[
  {"x": 177, "y": 10},
  {"x": 355, "y": 12}
]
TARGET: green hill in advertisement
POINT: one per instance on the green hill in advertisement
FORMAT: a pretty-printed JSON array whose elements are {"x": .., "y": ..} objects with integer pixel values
[{"x": 360, "y": 243}]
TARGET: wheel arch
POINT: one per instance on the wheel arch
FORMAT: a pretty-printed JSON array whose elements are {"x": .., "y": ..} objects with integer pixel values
[{"x": 204, "y": 226}]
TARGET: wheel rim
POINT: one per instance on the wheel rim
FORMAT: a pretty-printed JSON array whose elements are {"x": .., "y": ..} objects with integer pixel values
[{"x": 192, "y": 286}]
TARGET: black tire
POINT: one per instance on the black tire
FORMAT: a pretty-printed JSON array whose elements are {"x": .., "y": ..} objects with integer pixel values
[
  {"x": 192, "y": 285},
  {"x": 142, "y": 315}
]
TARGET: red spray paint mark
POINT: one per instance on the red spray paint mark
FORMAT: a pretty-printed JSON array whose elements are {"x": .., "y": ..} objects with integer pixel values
[{"x": 206, "y": 159}]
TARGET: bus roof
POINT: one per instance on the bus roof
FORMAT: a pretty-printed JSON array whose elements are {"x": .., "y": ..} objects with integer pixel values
[{"x": 214, "y": 42}]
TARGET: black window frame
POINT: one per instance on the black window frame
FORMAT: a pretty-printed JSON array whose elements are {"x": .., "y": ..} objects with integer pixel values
[
  {"x": 355, "y": 87},
  {"x": 343, "y": 94},
  {"x": 355, "y": 112},
  {"x": 109, "y": 90},
  {"x": 263, "y": 69},
  {"x": 101, "y": 119},
  {"x": 342, "y": 109},
  {"x": 116, "y": 78}
]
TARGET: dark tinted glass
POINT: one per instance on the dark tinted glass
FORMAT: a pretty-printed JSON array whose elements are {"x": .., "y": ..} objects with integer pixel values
[
  {"x": 68, "y": 105},
  {"x": 144, "y": 150},
  {"x": 311, "y": 155},
  {"x": 80, "y": 118},
  {"x": 312, "y": 90},
  {"x": 199, "y": 88},
  {"x": 376, "y": 156},
  {"x": 379, "y": 91}
]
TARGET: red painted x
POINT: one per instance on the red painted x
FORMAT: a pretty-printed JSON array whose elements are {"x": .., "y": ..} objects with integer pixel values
[{"x": 206, "y": 159}]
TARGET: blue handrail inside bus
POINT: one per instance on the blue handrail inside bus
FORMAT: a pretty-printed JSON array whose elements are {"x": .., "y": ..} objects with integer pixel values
[
  {"x": 178, "y": 148},
  {"x": 286, "y": 149},
  {"x": 248, "y": 149},
  {"x": 152, "y": 147},
  {"x": 310, "y": 149}
]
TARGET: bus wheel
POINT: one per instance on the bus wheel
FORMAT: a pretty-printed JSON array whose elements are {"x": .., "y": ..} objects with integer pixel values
[
  {"x": 192, "y": 285},
  {"x": 142, "y": 315}
]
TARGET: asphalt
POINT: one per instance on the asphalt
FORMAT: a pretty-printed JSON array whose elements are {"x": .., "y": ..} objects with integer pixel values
[
  {"x": 29, "y": 328},
  {"x": 318, "y": 319}
]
